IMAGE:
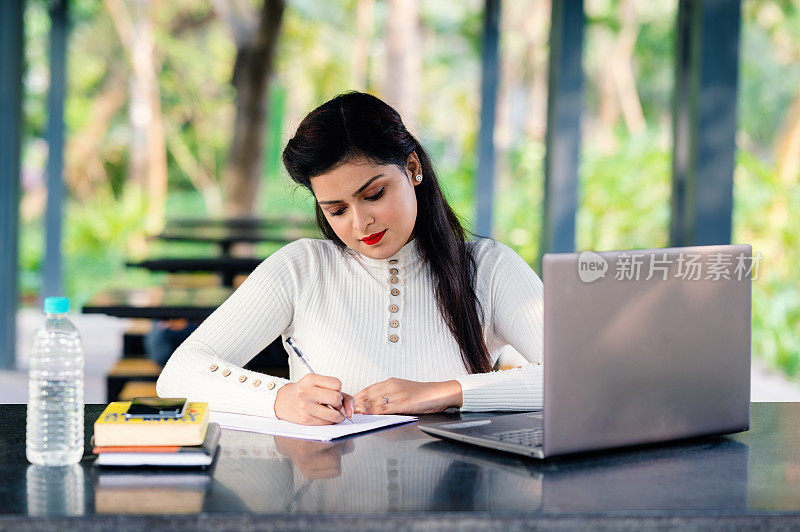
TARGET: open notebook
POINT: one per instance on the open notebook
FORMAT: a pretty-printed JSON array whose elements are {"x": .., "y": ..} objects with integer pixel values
[{"x": 279, "y": 427}]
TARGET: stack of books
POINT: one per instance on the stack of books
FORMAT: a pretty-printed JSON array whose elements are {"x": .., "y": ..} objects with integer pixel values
[{"x": 186, "y": 441}]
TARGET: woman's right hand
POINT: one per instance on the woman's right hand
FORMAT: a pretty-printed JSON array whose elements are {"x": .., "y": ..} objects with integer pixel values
[{"x": 305, "y": 401}]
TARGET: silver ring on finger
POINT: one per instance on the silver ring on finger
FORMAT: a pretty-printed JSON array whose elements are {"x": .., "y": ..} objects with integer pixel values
[{"x": 385, "y": 399}]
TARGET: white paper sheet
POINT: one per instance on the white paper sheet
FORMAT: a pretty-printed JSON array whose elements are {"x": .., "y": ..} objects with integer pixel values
[{"x": 279, "y": 427}]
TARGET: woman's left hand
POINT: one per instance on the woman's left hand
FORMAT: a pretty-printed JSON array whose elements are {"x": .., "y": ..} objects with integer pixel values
[{"x": 400, "y": 396}]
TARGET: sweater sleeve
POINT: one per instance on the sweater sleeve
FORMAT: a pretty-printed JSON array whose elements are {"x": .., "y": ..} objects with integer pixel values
[
  {"x": 207, "y": 366},
  {"x": 516, "y": 298}
]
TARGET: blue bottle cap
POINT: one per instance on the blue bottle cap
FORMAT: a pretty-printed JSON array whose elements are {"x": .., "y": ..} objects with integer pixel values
[{"x": 56, "y": 305}]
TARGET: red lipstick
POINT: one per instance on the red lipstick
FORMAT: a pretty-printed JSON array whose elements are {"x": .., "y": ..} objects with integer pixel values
[{"x": 373, "y": 239}]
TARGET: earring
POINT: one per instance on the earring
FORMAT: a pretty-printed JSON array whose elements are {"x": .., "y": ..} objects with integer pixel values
[{"x": 419, "y": 177}]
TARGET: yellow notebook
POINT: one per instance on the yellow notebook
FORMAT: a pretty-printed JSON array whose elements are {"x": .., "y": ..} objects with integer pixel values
[{"x": 111, "y": 428}]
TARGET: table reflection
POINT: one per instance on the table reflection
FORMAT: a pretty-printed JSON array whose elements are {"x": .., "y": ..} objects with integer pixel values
[
  {"x": 315, "y": 459},
  {"x": 150, "y": 490},
  {"x": 384, "y": 472},
  {"x": 402, "y": 470},
  {"x": 709, "y": 474},
  {"x": 54, "y": 491}
]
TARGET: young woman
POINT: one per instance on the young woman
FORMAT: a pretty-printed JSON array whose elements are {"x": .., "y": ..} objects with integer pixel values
[{"x": 394, "y": 311}]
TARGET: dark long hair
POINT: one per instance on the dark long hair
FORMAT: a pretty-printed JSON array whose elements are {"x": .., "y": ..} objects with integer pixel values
[{"x": 355, "y": 126}]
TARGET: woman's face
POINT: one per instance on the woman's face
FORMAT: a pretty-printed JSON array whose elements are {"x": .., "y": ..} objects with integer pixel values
[{"x": 371, "y": 207}]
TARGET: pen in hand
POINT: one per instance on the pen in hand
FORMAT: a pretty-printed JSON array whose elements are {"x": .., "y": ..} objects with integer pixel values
[{"x": 308, "y": 367}]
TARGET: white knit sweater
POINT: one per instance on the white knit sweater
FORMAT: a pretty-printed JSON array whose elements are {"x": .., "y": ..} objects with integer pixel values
[{"x": 356, "y": 319}]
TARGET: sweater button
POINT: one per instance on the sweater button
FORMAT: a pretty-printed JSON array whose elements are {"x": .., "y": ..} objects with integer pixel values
[
  {"x": 242, "y": 378},
  {"x": 395, "y": 292},
  {"x": 213, "y": 367},
  {"x": 226, "y": 372},
  {"x": 257, "y": 383},
  {"x": 271, "y": 384},
  {"x": 393, "y": 308},
  {"x": 393, "y": 279},
  {"x": 394, "y": 271},
  {"x": 392, "y": 261},
  {"x": 394, "y": 338},
  {"x": 394, "y": 323}
]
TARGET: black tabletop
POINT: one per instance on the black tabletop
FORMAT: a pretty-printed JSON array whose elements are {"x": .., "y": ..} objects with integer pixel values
[
  {"x": 199, "y": 264},
  {"x": 401, "y": 478},
  {"x": 226, "y": 235},
  {"x": 228, "y": 267},
  {"x": 290, "y": 220},
  {"x": 158, "y": 302}
]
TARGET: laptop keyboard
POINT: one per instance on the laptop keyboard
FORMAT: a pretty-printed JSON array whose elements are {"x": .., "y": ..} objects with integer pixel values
[{"x": 526, "y": 437}]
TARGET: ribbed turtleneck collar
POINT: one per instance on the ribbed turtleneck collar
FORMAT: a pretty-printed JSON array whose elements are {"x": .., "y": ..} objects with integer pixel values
[{"x": 408, "y": 256}]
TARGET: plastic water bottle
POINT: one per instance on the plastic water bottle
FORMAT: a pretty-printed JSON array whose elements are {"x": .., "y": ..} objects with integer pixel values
[{"x": 55, "y": 390}]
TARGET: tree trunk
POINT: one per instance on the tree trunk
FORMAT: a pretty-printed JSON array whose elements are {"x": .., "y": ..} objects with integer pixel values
[
  {"x": 608, "y": 111},
  {"x": 787, "y": 156},
  {"x": 200, "y": 178},
  {"x": 536, "y": 30},
  {"x": 622, "y": 65},
  {"x": 254, "y": 58},
  {"x": 403, "y": 58},
  {"x": 365, "y": 26},
  {"x": 147, "y": 153},
  {"x": 616, "y": 81},
  {"x": 84, "y": 169},
  {"x": 787, "y": 152}
]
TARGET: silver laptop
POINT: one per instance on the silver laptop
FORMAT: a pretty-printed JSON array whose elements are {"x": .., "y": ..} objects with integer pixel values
[{"x": 640, "y": 346}]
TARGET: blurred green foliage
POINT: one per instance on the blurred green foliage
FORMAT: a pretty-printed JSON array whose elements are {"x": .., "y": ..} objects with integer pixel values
[
  {"x": 765, "y": 206},
  {"x": 625, "y": 176},
  {"x": 625, "y": 195}
]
